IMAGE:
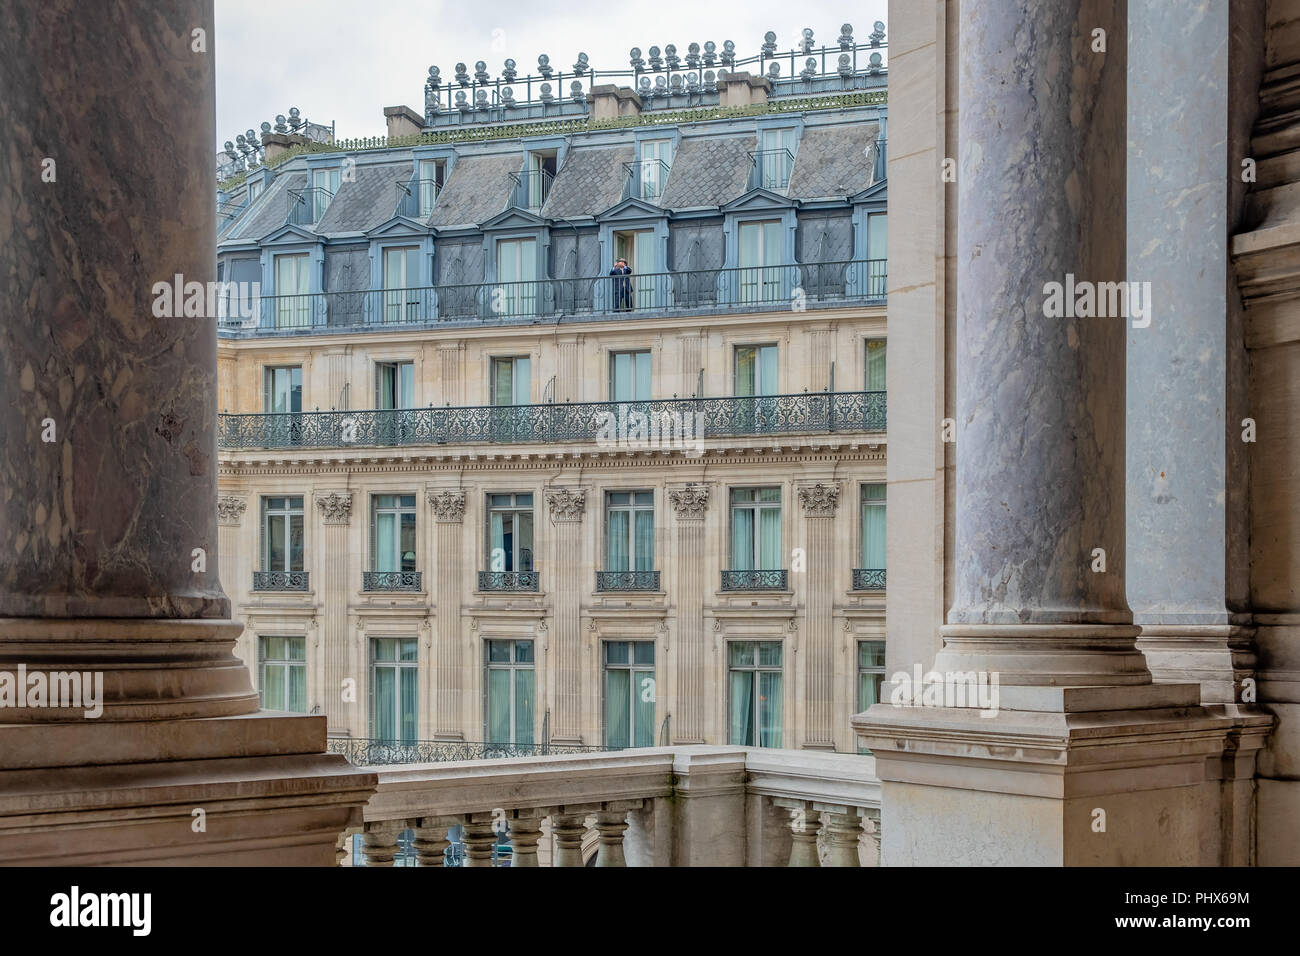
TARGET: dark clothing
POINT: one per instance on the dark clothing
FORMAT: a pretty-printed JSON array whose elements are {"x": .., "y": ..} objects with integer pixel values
[{"x": 622, "y": 288}]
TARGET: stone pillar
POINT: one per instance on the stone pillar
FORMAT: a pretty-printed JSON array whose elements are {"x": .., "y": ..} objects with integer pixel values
[
  {"x": 230, "y": 516},
  {"x": 525, "y": 832},
  {"x": 611, "y": 824},
  {"x": 431, "y": 840},
  {"x": 449, "y": 674},
  {"x": 480, "y": 838},
  {"x": 564, "y": 581},
  {"x": 1040, "y": 492},
  {"x": 690, "y": 504},
  {"x": 379, "y": 844},
  {"x": 108, "y": 540},
  {"x": 336, "y": 515},
  {"x": 843, "y": 830},
  {"x": 568, "y": 829},
  {"x": 804, "y": 825},
  {"x": 873, "y": 834},
  {"x": 819, "y": 503}
]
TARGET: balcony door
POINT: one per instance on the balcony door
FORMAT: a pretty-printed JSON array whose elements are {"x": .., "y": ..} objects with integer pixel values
[
  {"x": 394, "y": 696},
  {"x": 760, "y": 260},
  {"x": 629, "y": 694},
  {"x": 510, "y": 696},
  {"x": 403, "y": 287},
  {"x": 755, "y": 377},
  {"x": 395, "y": 395},
  {"x": 512, "y": 395},
  {"x": 777, "y": 158},
  {"x": 516, "y": 293},
  {"x": 292, "y": 280},
  {"x": 282, "y": 397},
  {"x": 629, "y": 381},
  {"x": 656, "y": 156},
  {"x": 635, "y": 291}
]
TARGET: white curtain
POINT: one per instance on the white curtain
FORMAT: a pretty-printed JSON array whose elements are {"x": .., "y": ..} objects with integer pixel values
[
  {"x": 618, "y": 541},
  {"x": 499, "y": 706},
  {"x": 770, "y": 539},
  {"x": 873, "y": 526},
  {"x": 618, "y": 690},
  {"x": 742, "y": 539},
  {"x": 645, "y": 541}
]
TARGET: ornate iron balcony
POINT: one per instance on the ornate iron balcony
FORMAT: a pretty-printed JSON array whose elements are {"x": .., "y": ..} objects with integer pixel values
[
  {"x": 279, "y": 580},
  {"x": 627, "y": 580},
  {"x": 370, "y": 752},
  {"x": 661, "y": 424},
  {"x": 309, "y": 205},
  {"x": 391, "y": 580},
  {"x": 755, "y": 580},
  {"x": 508, "y": 580},
  {"x": 868, "y": 579}
]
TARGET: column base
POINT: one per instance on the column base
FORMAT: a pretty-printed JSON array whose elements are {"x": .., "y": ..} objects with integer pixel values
[
  {"x": 1217, "y": 656},
  {"x": 1054, "y": 655},
  {"x": 1057, "y": 776}
]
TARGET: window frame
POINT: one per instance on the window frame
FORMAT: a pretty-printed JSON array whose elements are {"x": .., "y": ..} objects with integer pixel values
[
  {"x": 634, "y": 688},
  {"x": 398, "y": 663},
  {"x": 757, "y": 507},
  {"x": 288, "y": 512},
  {"x": 514, "y": 508},
  {"x": 631, "y": 509},
  {"x": 513, "y": 666},
  {"x": 287, "y": 664},
  {"x": 755, "y": 668},
  {"x": 401, "y": 511}
]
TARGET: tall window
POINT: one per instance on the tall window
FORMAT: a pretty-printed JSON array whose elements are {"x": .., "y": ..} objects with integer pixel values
[
  {"x": 755, "y": 704},
  {"x": 282, "y": 673},
  {"x": 760, "y": 261},
  {"x": 282, "y": 523},
  {"x": 511, "y": 381},
  {"x": 777, "y": 158},
  {"x": 873, "y": 526},
  {"x": 510, "y": 692},
  {"x": 756, "y": 370},
  {"x": 755, "y": 529},
  {"x": 392, "y": 533},
  {"x": 630, "y": 526},
  {"x": 402, "y": 284},
  {"x": 394, "y": 671},
  {"x": 326, "y": 187},
  {"x": 510, "y": 532},
  {"x": 517, "y": 275},
  {"x": 656, "y": 157},
  {"x": 629, "y": 376},
  {"x": 629, "y": 694},
  {"x": 871, "y": 676},
  {"x": 637, "y": 248},
  {"x": 254, "y": 190},
  {"x": 394, "y": 385},
  {"x": 292, "y": 281},
  {"x": 877, "y": 252},
  {"x": 875, "y": 365},
  {"x": 282, "y": 389},
  {"x": 429, "y": 184}
]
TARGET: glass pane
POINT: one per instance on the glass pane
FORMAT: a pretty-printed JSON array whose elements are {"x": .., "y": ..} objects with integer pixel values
[
  {"x": 385, "y": 541},
  {"x": 875, "y": 366},
  {"x": 385, "y": 650},
  {"x": 767, "y": 370},
  {"x": 644, "y": 652},
  {"x": 524, "y": 652},
  {"x": 410, "y": 650},
  {"x": 643, "y": 705},
  {"x": 746, "y": 370},
  {"x": 742, "y": 539},
  {"x": 769, "y": 654},
  {"x": 295, "y": 648},
  {"x": 621, "y": 387},
  {"x": 498, "y": 716},
  {"x": 868, "y": 690},
  {"x": 410, "y": 698},
  {"x": 499, "y": 652},
  {"x": 295, "y": 542},
  {"x": 770, "y": 709},
  {"x": 873, "y": 536},
  {"x": 742, "y": 653},
  {"x": 384, "y": 718},
  {"x": 616, "y": 652},
  {"x": 525, "y": 540},
  {"x": 741, "y": 722},
  {"x": 502, "y": 385},
  {"x": 524, "y": 706},
  {"x": 273, "y": 697},
  {"x": 407, "y": 543},
  {"x": 297, "y": 701},
  {"x": 523, "y": 381},
  {"x": 618, "y": 541},
  {"x": 645, "y": 541},
  {"x": 871, "y": 653},
  {"x": 878, "y": 236},
  {"x": 769, "y": 550},
  {"x": 618, "y": 707},
  {"x": 275, "y": 543}
]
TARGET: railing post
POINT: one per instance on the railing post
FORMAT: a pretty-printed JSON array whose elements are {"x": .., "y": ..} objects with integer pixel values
[
  {"x": 568, "y": 829},
  {"x": 804, "y": 824},
  {"x": 843, "y": 830},
  {"x": 379, "y": 845},
  {"x": 611, "y": 823},
  {"x": 480, "y": 837},
  {"x": 431, "y": 840},
  {"x": 525, "y": 833}
]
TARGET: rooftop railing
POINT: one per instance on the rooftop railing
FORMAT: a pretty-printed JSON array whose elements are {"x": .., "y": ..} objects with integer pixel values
[{"x": 662, "y": 423}]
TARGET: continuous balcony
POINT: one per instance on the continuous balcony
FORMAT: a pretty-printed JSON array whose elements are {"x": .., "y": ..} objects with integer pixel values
[
  {"x": 371, "y": 752},
  {"x": 650, "y": 294},
  {"x": 671, "y": 422}
]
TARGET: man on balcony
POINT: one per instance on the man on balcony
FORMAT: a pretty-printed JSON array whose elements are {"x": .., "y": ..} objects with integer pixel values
[{"x": 622, "y": 286}]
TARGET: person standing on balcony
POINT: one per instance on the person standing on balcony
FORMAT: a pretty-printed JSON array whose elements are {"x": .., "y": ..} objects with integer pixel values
[{"x": 622, "y": 286}]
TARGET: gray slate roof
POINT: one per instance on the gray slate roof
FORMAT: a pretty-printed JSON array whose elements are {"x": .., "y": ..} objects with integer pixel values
[
  {"x": 832, "y": 161},
  {"x": 708, "y": 171},
  {"x": 368, "y": 201},
  {"x": 479, "y": 187},
  {"x": 273, "y": 209},
  {"x": 589, "y": 182}
]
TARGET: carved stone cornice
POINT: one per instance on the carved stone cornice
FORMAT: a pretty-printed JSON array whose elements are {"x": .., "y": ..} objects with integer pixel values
[
  {"x": 690, "y": 502},
  {"x": 448, "y": 506},
  {"x": 335, "y": 508},
  {"x": 566, "y": 504},
  {"x": 820, "y": 500},
  {"x": 230, "y": 509}
]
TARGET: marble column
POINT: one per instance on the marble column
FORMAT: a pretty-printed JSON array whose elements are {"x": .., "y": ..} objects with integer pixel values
[
  {"x": 336, "y": 515},
  {"x": 611, "y": 824},
  {"x": 564, "y": 581},
  {"x": 819, "y": 502},
  {"x": 690, "y": 503},
  {"x": 449, "y": 516},
  {"x": 568, "y": 829},
  {"x": 108, "y": 518}
]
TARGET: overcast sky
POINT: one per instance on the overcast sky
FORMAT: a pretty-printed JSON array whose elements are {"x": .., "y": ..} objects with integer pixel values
[{"x": 345, "y": 60}]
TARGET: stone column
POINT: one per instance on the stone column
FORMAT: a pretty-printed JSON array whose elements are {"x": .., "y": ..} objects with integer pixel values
[
  {"x": 564, "y": 582},
  {"x": 480, "y": 837},
  {"x": 611, "y": 825},
  {"x": 819, "y": 502},
  {"x": 843, "y": 829},
  {"x": 108, "y": 540},
  {"x": 449, "y": 514},
  {"x": 568, "y": 829},
  {"x": 335, "y": 588},
  {"x": 804, "y": 827},
  {"x": 690, "y": 504},
  {"x": 230, "y": 515},
  {"x": 379, "y": 844},
  {"x": 431, "y": 840},
  {"x": 525, "y": 832}
]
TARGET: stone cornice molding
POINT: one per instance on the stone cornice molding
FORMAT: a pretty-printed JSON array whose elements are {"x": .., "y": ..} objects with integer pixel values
[
  {"x": 820, "y": 500},
  {"x": 448, "y": 506},
  {"x": 335, "y": 508},
  {"x": 230, "y": 509},
  {"x": 690, "y": 502},
  {"x": 566, "y": 504}
]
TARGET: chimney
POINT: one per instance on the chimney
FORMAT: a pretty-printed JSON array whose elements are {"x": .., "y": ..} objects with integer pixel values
[
  {"x": 403, "y": 121},
  {"x": 273, "y": 144},
  {"x": 609, "y": 101},
  {"x": 742, "y": 89}
]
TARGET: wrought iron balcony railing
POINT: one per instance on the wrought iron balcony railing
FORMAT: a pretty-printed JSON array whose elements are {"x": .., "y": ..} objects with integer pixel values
[
  {"x": 416, "y": 198},
  {"x": 508, "y": 580},
  {"x": 771, "y": 168},
  {"x": 531, "y": 187},
  {"x": 645, "y": 179},
  {"x": 755, "y": 580},
  {"x": 279, "y": 580},
  {"x": 391, "y": 580},
  {"x": 627, "y": 580},
  {"x": 371, "y": 752},
  {"x": 309, "y": 205},
  {"x": 698, "y": 291},
  {"x": 868, "y": 579},
  {"x": 664, "y": 423}
]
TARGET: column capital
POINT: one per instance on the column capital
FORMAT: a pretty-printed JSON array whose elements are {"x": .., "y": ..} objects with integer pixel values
[
  {"x": 230, "y": 509},
  {"x": 448, "y": 505},
  {"x": 566, "y": 504},
  {"x": 335, "y": 507},
  {"x": 690, "y": 502},
  {"x": 820, "y": 500}
]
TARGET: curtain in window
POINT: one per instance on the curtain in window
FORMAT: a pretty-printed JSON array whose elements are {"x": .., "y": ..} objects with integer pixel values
[
  {"x": 297, "y": 690},
  {"x": 770, "y": 539},
  {"x": 406, "y": 385},
  {"x": 770, "y": 709},
  {"x": 499, "y": 706},
  {"x": 767, "y": 370},
  {"x": 868, "y": 690},
  {"x": 524, "y": 519},
  {"x": 385, "y": 541},
  {"x": 875, "y": 367},
  {"x": 645, "y": 709},
  {"x": 742, "y": 539},
  {"x": 618, "y": 541},
  {"x": 524, "y": 707},
  {"x": 742, "y": 708},
  {"x": 384, "y": 718},
  {"x": 618, "y": 689},
  {"x": 746, "y": 372},
  {"x": 873, "y": 526},
  {"x": 273, "y": 687},
  {"x": 407, "y": 541},
  {"x": 410, "y": 681},
  {"x": 645, "y": 541},
  {"x": 295, "y": 542},
  {"x": 623, "y": 381}
]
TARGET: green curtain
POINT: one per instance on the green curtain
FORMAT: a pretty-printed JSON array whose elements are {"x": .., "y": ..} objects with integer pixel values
[
  {"x": 868, "y": 690},
  {"x": 770, "y": 709},
  {"x": 873, "y": 526},
  {"x": 645, "y": 541},
  {"x": 406, "y": 385},
  {"x": 498, "y": 559},
  {"x": 742, "y": 539},
  {"x": 524, "y": 707},
  {"x": 273, "y": 687},
  {"x": 386, "y": 389},
  {"x": 384, "y": 717},
  {"x": 498, "y": 706},
  {"x": 746, "y": 371},
  {"x": 644, "y": 732},
  {"x": 410, "y": 700},
  {"x": 770, "y": 539},
  {"x": 767, "y": 370},
  {"x": 385, "y": 541},
  {"x": 618, "y": 541},
  {"x": 742, "y": 708},
  {"x": 875, "y": 366},
  {"x": 618, "y": 688}
]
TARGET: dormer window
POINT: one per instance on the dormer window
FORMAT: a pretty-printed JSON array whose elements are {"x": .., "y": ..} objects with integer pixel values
[
  {"x": 774, "y": 160},
  {"x": 656, "y": 161},
  {"x": 430, "y": 176},
  {"x": 534, "y": 183},
  {"x": 324, "y": 187}
]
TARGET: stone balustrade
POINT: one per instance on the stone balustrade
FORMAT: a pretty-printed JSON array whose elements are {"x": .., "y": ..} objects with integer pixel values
[{"x": 656, "y": 806}]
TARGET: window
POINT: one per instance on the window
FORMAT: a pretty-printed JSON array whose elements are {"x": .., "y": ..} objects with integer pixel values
[
  {"x": 394, "y": 385},
  {"x": 656, "y": 160},
  {"x": 282, "y": 533},
  {"x": 509, "y": 693},
  {"x": 510, "y": 532},
  {"x": 755, "y": 529},
  {"x": 755, "y": 704},
  {"x": 871, "y": 676},
  {"x": 394, "y": 671},
  {"x": 875, "y": 365},
  {"x": 877, "y": 252},
  {"x": 325, "y": 183},
  {"x": 630, "y": 531},
  {"x": 638, "y": 249},
  {"x": 431, "y": 175},
  {"x": 511, "y": 381},
  {"x": 292, "y": 281},
  {"x": 392, "y": 533},
  {"x": 873, "y": 526},
  {"x": 756, "y": 370},
  {"x": 760, "y": 260},
  {"x": 776, "y": 158},
  {"x": 539, "y": 173},
  {"x": 517, "y": 275},
  {"x": 402, "y": 284},
  {"x": 254, "y": 190},
  {"x": 629, "y": 376},
  {"x": 282, "y": 673},
  {"x": 282, "y": 390},
  {"x": 629, "y": 694}
]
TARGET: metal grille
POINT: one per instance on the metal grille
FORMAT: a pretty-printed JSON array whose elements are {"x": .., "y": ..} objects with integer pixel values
[
  {"x": 627, "y": 580},
  {"x": 391, "y": 580},
  {"x": 754, "y": 580},
  {"x": 868, "y": 579},
  {"x": 508, "y": 580},
  {"x": 279, "y": 580}
]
